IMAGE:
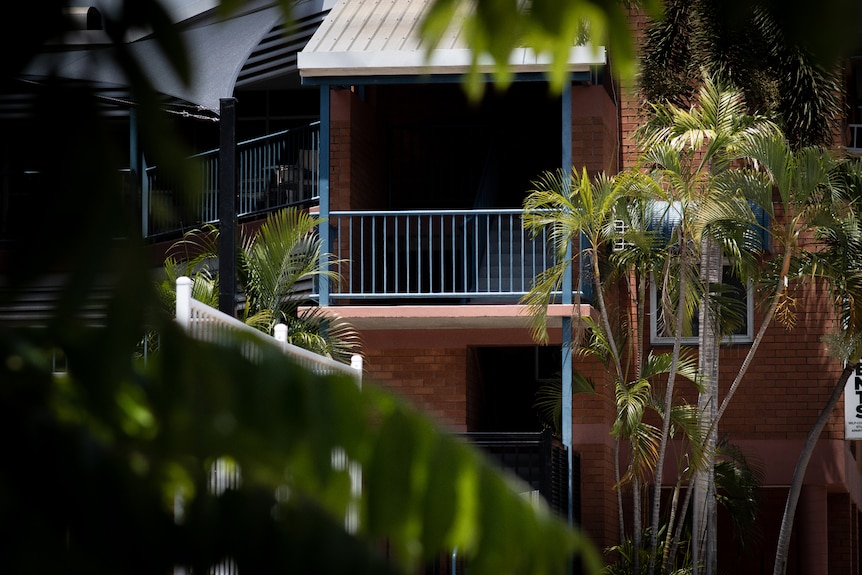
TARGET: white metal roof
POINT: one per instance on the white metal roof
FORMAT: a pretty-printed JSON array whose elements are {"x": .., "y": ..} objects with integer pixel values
[{"x": 381, "y": 37}]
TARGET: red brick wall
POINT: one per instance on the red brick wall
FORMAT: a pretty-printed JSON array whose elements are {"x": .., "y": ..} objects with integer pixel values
[
  {"x": 433, "y": 379},
  {"x": 630, "y": 104},
  {"x": 339, "y": 149},
  {"x": 594, "y": 130},
  {"x": 789, "y": 381},
  {"x": 593, "y": 415},
  {"x": 843, "y": 546},
  {"x": 355, "y": 145}
]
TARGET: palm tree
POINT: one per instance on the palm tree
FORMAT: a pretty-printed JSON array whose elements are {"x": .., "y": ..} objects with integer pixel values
[
  {"x": 277, "y": 265},
  {"x": 569, "y": 210},
  {"x": 837, "y": 263},
  {"x": 692, "y": 151},
  {"x": 804, "y": 186},
  {"x": 749, "y": 48},
  {"x": 589, "y": 208}
]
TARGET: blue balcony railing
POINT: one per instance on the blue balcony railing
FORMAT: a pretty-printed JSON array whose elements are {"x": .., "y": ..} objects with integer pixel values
[
  {"x": 274, "y": 171},
  {"x": 466, "y": 255}
]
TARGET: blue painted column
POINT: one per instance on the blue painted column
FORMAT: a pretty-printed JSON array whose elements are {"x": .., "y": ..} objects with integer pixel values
[
  {"x": 323, "y": 174},
  {"x": 567, "y": 287}
]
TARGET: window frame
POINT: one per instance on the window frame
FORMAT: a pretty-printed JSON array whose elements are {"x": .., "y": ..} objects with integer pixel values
[{"x": 737, "y": 338}]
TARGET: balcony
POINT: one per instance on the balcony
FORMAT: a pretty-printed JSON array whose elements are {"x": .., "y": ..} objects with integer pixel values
[
  {"x": 423, "y": 269},
  {"x": 460, "y": 256},
  {"x": 441, "y": 257},
  {"x": 274, "y": 171}
]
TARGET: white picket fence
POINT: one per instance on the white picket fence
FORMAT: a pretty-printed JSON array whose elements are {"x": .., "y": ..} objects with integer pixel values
[{"x": 205, "y": 323}]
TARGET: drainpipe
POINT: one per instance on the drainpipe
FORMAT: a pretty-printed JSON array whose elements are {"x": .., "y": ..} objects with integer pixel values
[{"x": 227, "y": 206}]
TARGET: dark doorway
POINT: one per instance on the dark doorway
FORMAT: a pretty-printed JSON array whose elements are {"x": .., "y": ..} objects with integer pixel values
[
  {"x": 445, "y": 151},
  {"x": 507, "y": 381}
]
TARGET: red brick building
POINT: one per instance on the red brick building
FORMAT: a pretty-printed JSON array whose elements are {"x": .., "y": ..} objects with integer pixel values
[
  {"x": 422, "y": 188},
  {"x": 463, "y": 361}
]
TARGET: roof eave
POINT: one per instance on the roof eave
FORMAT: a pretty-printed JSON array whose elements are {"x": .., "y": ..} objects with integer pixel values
[{"x": 439, "y": 62}]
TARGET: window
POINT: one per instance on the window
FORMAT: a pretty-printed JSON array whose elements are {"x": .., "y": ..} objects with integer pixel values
[{"x": 744, "y": 332}]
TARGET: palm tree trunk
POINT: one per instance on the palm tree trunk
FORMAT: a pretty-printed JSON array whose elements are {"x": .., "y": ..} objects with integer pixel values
[
  {"x": 620, "y": 517},
  {"x": 683, "y": 510},
  {"x": 704, "y": 509},
  {"x": 665, "y": 425},
  {"x": 783, "y": 546},
  {"x": 603, "y": 310},
  {"x": 670, "y": 523}
]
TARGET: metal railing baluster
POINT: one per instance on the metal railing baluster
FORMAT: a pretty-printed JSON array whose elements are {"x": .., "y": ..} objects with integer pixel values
[{"x": 398, "y": 249}]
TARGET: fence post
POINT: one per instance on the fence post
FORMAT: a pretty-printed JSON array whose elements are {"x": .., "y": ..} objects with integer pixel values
[
  {"x": 356, "y": 363},
  {"x": 184, "y": 301}
]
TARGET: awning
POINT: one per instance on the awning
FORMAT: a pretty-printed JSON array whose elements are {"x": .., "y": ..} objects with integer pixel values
[
  {"x": 217, "y": 51},
  {"x": 373, "y": 38}
]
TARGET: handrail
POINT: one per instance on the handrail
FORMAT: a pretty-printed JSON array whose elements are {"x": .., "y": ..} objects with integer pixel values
[
  {"x": 274, "y": 171},
  {"x": 208, "y": 324}
]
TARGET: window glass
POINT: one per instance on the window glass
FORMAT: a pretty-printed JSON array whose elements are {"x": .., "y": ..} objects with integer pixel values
[{"x": 734, "y": 289}]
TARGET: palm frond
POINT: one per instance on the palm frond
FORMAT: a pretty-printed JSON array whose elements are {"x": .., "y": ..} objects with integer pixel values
[
  {"x": 738, "y": 479},
  {"x": 548, "y": 400},
  {"x": 325, "y": 334},
  {"x": 661, "y": 363},
  {"x": 544, "y": 288}
]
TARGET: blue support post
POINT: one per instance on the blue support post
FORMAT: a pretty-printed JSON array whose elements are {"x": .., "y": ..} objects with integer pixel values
[
  {"x": 567, "y": 287},
  {"x": 323, "y": 174}
]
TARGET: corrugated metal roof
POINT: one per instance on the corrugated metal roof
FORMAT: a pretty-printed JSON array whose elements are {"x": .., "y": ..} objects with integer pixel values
[{"x": 381, "y": 37}]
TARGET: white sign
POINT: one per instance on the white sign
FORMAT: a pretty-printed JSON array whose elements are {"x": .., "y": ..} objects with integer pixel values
[{"x": 853, "y": 405}]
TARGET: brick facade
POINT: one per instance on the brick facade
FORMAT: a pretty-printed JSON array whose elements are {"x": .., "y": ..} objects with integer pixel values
[
  {"x": 433, "y": 379},
  {"x": 782, "y": 394}
]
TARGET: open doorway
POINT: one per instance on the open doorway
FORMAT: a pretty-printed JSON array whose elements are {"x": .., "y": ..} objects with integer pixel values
[{"x": 506, "y": 381}]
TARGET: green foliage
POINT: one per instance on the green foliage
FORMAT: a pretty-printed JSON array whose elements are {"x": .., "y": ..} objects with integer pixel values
[
  {"x": 629, "y": 554},
  {"x": 738, "y": 479},
  {"x": 493, "y": 29},
  {"x": 548, "y": 401},
  {"x": 275, "y": 260},
  {"x": 757, "y": 47},
  {"x": 95, "y": 457}
]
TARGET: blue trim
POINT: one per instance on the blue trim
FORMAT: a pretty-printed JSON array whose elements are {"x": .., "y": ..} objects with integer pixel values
[
  {"x": 323, "y": 175},
  {"x": 566, "y": 164},
  {"x": 566, "y": 411},
  {"x": 567, "y": 287},
  {"x": 580, "y": 77}
]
